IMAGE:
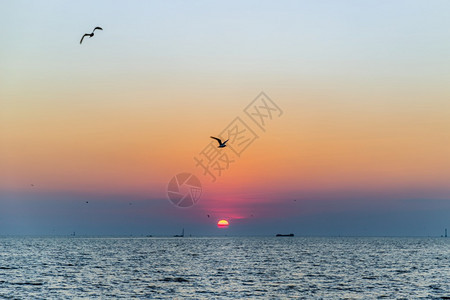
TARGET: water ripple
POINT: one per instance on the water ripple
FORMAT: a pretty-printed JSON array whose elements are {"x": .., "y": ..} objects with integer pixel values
[{"x": 223, "y": 268}]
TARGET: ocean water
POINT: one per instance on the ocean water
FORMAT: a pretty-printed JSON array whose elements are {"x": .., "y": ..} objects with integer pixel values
[{"x": 224, "y": 268}]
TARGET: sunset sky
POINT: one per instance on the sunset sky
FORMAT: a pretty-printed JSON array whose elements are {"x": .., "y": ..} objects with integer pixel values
[{"x": 362, "y": 146}]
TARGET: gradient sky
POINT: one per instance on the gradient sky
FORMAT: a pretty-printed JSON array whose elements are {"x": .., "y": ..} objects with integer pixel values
[{"x": 362, "y": 147}]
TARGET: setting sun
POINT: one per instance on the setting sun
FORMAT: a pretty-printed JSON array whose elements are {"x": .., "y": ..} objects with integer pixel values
[{"x": 222, "y": 224}]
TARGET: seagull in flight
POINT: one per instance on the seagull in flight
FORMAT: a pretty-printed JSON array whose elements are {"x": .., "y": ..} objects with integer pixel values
[
  {"x": 221, "y": 145},
  {"x": 90, "y": 34}
]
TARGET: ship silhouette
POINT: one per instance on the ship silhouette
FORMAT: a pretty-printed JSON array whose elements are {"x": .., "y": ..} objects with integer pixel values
[{"x": 180, "y": 235}]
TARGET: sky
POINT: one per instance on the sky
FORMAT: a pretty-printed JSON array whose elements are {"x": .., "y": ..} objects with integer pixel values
[{"x": 91, "y": 134}]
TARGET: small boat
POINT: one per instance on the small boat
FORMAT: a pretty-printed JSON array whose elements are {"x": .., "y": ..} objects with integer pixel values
[
  {"x": 290, "y": 234},
  {"x": 182, "y": 234}
]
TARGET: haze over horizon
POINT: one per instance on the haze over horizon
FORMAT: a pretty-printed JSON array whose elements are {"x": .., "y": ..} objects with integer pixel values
[{"x": 91, "y": 134}]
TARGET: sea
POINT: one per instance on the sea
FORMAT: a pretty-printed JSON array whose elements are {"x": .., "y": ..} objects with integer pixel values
[{"x": 224, "y": 268}]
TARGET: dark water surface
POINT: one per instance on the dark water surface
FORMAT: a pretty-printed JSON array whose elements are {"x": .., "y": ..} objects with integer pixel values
[{"x": 222, "y": 268}]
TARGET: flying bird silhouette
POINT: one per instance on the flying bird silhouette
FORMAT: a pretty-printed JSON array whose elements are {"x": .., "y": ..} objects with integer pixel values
[
  {"x": 90, "y": 34},
  {"x": 221, "y": 145}
]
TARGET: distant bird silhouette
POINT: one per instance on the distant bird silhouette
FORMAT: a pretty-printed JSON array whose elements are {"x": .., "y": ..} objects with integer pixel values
[
  {"x": 90, "y": 34},
  {"x": 87, "y": 201},
  {"x": 208, "y": 216},
  {"x": 32, "y": 184},
  {"x": 221, "y": 145}
]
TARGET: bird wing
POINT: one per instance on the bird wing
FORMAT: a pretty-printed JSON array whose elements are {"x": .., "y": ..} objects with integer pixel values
[
  {"x": 226, "y": 141},
  {"x": 220, "y": 142},
  {"x": 86, "y": 34},
  {"x": 99, "y": 28}
]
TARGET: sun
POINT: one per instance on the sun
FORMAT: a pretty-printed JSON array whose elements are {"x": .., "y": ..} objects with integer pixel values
[{"x": 222, "y": 224}]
